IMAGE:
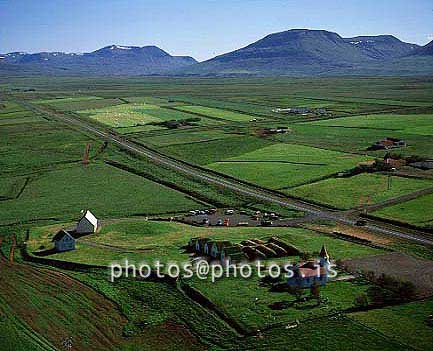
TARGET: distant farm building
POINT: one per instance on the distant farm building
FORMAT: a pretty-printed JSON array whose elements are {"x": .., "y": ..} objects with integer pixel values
[
  {"x": 87, "y": 224},
  {"x": 293, "y": 110},
  {"x": 394, "y": 162},
  {"x": 63, "y": 241},
  {"x": 388, "y": 143},
  {"x": 300, "y": 111},
  {"x": 278, "y": 130},
  {"x": 311, "y": 273}
]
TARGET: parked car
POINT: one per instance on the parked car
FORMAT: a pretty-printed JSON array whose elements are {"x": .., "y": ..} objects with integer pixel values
[
  {"x": 205, "y": 221},
  {"x": 219, "y": 222},
  {"x": 266, "y": 223},
  {"x": 229, "y": 212},
  {"x": 361, "y": 223},
  {"x": 243, "y": 224}
]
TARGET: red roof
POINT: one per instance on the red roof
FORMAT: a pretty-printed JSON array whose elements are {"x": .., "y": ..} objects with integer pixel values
[{"x": 308, "y": 272}]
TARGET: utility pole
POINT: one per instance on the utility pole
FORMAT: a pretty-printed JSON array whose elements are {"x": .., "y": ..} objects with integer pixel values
[
  {"x": 86, "y": 155},
  {"x": 390, "y": 179}
]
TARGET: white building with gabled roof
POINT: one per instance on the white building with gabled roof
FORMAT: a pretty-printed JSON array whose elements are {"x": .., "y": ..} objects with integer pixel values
[{"x": 87, "y": 224}]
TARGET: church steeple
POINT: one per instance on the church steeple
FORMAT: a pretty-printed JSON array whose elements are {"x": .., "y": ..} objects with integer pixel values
[
  {"x": 324, "y": 257},
  {"x": 323, "y": 252}
]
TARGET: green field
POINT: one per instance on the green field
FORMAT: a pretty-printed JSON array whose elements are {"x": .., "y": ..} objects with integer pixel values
[
  {"x": 345, "y": 193},
  {"x": 286, "y": 165},
  {"x": 44, "y": 186},
  {"x": 414, "y": 124},
  {"x": 336, "y": 333},
  {"x": 10, "y": 187},
  {"x": 250, "y": 304},
  {"x": 106, "y": 190},
  {"x": 186, "y": 137},
  {"x": 355, "y": 139},
  {"x": 409, "y": 211},
  {"x": 210, "y": 151},
  {"x": 217, "y": 113},
  {"x": 405, "y": 323},
  {"x": 138, "y": 114},
  {"x": 150, "y": 241}
]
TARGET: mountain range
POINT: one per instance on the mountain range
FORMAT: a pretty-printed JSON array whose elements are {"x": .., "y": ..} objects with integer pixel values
[
  {"x": 112, "y": 60},
  {"x": 296, "y": 52}
]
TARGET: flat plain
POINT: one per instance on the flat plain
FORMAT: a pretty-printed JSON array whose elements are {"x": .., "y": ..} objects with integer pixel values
[{"x": 47, "y": 177}]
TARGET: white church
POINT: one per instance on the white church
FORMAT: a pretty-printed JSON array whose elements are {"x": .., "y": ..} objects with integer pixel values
[{"x": 87, "y": 224}]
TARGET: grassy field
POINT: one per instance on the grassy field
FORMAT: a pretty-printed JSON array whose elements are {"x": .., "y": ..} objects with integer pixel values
[
  {"x": 416, "y": 212},
  {"x": 355, "y": 139},
  {"x": 10, "y": 187},
  {"x": 39, "y": 305},
  {"x": 405, "y": 323},
  {"x": 106, "y": 190},
  {"x": 217, "y": 113},
  {"x": 26, "y": 148},
  {"x": 250, "y": 304},
  {"x": 150, "y": 241},
  {"x": 79, "y": 103},
  {"x": 188, "y": 137},
  {"x": 138, "y": 114},
  {"x": 336, "y": 333},
  {"x": 412, "y": 124},
  {"x": 286, "y": 165},
  {"x": 345, "y": 193},
  {"x": 207, "y": 152}
]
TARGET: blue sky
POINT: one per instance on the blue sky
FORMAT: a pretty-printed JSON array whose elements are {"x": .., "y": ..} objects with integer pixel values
[{"x": 200, "y": 28}]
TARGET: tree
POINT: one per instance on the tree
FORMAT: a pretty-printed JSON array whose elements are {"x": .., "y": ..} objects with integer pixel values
[{"x": 315, "y": 292}]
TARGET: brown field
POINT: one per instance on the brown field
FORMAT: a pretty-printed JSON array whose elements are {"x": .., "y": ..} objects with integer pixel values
[
  {"x": 399, "y": 266},
  {"x": 56, "y": 307}
]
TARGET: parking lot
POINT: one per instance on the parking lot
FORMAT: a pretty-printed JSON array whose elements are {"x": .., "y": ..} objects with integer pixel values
[{"x": 235, "y": 218}]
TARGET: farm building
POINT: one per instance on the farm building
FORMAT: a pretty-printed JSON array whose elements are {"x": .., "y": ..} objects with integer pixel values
[
  {"x": 251, "y": 249},
  {"x": 309, "y": 273},
  {"x": 294, "y": 110},
  {"x": 87, "y": 224},
  {"x": 217, "y": 247},
  {"x": 200, "y": 244},
  {"x": 290, "y": 249},
  {"x": 388, "y": 143},
  {"x": 394, "y": 162},
  {"x": 63, "y": 241},
  {"x": 192, "y": 243},
  {"x": 232, "y": 254}
]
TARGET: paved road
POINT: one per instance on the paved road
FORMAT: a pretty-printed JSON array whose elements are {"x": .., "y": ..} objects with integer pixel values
[{"x": 238, "y": 187}]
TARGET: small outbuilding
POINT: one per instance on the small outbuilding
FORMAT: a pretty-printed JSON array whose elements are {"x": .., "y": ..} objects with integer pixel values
[
  {"x": 87, "y": 224},
  {"x": 63, "y": 241}
]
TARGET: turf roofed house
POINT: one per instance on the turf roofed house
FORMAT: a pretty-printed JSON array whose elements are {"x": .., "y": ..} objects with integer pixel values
[
  {"x": 63, "y": 241},
  {"x": 310, "y": 273},
  {"x": 217, "y": 246},
  {"x": 87, "y": 224}
]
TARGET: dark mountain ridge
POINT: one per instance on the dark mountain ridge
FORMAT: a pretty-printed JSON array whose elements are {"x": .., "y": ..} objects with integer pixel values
[
  {"x": 295, "y": 52},
  {"x": 304, "y": 52},
  {"x": 112, "y": 60}
]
